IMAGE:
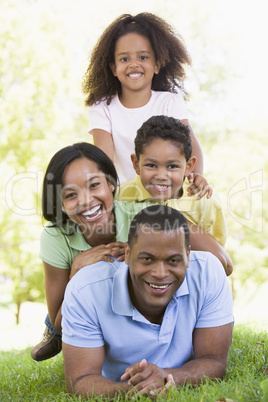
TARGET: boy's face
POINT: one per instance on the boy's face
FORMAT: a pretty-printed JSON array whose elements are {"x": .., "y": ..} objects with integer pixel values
[{"x": 162, "y": 169}]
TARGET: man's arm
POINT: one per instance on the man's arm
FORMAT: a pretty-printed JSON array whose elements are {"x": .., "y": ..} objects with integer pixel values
[
  {"x": 82, "y": 367},
  {"x": 211, "y": 347}
]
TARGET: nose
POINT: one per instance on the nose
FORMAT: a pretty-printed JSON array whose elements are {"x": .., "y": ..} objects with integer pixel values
[
  {"x": 160, "y": 270},
  {"x": 161, "y": 173},
  {"x": 85, "y": 196},
  {"x": 133, "y": 63}
]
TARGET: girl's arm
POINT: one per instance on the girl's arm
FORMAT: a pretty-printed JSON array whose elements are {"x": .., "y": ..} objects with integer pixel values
[
  {"x": 200, "y": 183},
  {"x": 197, "y": 151},
  {"x": 104, "y": 141}
]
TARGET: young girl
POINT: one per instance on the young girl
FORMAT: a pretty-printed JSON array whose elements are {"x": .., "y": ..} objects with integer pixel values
[
  {"x": 136, "y": 71},
  {"x": 85, "y": 226}
]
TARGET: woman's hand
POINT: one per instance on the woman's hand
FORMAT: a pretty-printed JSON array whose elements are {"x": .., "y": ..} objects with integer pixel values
[
  {"x": 117, "y": 250},
  {"x": 103, "y": 252},
  {"x": 199, "y": 184}
]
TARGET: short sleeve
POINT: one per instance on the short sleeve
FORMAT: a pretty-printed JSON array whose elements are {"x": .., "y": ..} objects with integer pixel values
[
  {"x": 217, "y": 307},
  {"x": 99, "y": 117},
  {"x": 80, "y": 324},
  {"x": 54, "y": 249},
  {"x": 177, "y": 107}
]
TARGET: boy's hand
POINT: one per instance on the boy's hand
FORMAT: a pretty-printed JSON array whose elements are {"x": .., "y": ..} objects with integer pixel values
[{"x": 199, "y": 184}]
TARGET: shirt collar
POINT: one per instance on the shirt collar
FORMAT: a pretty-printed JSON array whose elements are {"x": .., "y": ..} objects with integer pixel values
[
  {"x": 143, "y": 193},
  {"x": 77, "y": 241}
]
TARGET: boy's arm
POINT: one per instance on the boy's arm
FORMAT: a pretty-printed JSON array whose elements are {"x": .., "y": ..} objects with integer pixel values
[
  {"x": 203, "y": 241},
  {"x": 197, "y": 151},
  {"x": 83, "y": 367},
  {"x": 103, "y": 140}
]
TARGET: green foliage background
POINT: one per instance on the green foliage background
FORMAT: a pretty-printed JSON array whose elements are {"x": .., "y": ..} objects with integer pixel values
[{"x": 45, "y": 46}]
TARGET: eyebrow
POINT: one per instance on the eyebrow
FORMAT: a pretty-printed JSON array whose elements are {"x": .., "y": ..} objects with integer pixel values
[
  {"x": 168, "y": 161},
  {"x": 141, "y": 253},
  {"x": 126, "y": 52}
]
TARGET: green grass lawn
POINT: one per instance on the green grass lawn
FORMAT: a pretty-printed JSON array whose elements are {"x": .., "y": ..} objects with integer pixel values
[{"x": 22, "y": 379}]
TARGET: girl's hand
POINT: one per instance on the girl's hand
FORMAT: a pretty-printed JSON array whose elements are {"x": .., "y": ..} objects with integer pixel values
[
  {"x": 96, "y": 254},
  {"x": 199, "y": 184}
]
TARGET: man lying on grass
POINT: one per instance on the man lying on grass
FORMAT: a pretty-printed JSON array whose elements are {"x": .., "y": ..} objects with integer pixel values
[{"x": 162, "y": 317}]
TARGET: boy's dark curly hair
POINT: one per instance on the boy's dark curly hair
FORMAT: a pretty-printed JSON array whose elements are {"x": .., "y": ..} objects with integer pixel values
[
  {"x": 166, "y": 128},
  {"x": 170, "y": 52}
]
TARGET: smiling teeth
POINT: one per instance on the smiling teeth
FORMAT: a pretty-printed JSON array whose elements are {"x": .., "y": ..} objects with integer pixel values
[
  {"x": 160, "y": 186},
  {"x": 91, "y": 211},
  {"x": 135, "y": 75},
  {"x": 159, "y": 287}
]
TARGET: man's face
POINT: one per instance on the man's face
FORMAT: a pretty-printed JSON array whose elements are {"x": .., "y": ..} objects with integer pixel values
[{"x": 157, "y": 267}]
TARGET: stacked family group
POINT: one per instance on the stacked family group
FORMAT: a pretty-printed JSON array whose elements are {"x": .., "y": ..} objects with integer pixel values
[{"x": 133, "y": 251}]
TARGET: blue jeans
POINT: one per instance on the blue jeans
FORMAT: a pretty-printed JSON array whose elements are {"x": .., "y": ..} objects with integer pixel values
[{"x": 49, "y": 325}]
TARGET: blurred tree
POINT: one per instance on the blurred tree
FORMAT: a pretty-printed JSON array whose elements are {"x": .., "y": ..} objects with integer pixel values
[{"x": 41, "y": 111}]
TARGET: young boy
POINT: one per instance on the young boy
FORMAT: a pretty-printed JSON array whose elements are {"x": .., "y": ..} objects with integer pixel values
[{"x": 162, "y": 161}]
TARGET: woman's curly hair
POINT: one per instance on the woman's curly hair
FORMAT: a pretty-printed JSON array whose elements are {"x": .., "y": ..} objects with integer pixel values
[{"x": 170, "y": 52}]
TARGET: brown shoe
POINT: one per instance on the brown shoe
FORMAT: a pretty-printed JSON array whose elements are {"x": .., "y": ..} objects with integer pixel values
[{"x": 49, "y": 346}]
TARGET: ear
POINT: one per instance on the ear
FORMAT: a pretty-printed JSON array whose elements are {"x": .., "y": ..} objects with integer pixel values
[
  {"x": 113, "y": 68},
  {"x": 111, "y": 187},
  {"x": 127, "y": 251},
  {"x": 190, "y": 166},
  {"x": 157, "y": 67},
  {"x": 188, "y": 256},
  {"x": 135, "y": 163},
  {"x": 63, "y": 209}
]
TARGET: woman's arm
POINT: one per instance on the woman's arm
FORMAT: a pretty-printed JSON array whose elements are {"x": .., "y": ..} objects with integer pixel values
[
  {"x": 56, "y": 280},
  {"x": 104, "y": 141}
]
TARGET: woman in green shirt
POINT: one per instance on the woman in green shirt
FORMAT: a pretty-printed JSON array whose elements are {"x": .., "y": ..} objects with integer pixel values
[{"x": 85, "y": 226}]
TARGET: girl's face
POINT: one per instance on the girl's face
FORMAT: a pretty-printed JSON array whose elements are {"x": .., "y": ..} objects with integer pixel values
[
  {"x": 135, "y": 63},
  {"x": 87, "y": 196}
]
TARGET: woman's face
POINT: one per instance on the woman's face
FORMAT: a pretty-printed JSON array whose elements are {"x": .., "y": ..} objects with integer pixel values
[{"x": 87, "y": 196}]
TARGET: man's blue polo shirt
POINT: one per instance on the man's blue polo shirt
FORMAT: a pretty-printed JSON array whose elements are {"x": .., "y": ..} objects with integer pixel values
[{"x": 97, "y": 311}]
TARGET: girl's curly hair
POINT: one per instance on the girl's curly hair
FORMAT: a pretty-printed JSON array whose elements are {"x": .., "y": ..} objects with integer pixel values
[{"x": 170, "y": 52}]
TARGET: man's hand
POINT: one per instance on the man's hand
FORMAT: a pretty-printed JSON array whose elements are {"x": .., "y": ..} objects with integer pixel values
[
  {"x": 164, "y": 390},
  {"x": 199, "y": 184},
  {"x": 147, "y": 378}
]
